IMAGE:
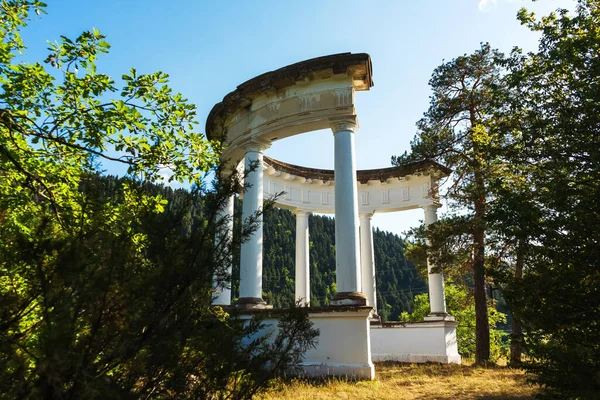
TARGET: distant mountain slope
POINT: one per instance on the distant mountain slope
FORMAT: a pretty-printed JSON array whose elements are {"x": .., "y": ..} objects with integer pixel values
[{"x": 397, "y": 280}]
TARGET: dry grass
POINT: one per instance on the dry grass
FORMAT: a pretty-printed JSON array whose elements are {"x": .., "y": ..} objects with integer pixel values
[{"x": 415, "y": 381}]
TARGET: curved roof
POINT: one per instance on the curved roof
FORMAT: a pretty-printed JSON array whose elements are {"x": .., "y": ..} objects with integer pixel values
[
  {"x": 363, "y": 176},
  {"x": 358, "y": 66}
]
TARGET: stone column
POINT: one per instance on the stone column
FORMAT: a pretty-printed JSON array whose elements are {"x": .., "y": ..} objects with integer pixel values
[
  {"x": 347, "y": 254},
  {"x": 302, "y": 295},
  {"x": 251, "y": 256},
  {"x": 222, "y": 241},
  {"x": 367, "y": 259},
  {"x": 437, "y": 299}
]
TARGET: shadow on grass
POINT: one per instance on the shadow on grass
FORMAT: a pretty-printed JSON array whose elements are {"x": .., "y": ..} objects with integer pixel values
[
  {"x": 426, "y": 381},
  {"x": 318, "y": 381},
  {"x": 498, "y": 396},
  {"x": 387, "y": 369},
  {"x": 502, "y": 396},
  {"x": 435, "y": 369}
]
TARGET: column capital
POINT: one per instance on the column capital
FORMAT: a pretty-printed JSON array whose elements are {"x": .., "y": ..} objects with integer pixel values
[
  {"x": 256, "y": 146},
  {"x": 299, "y": 212},
  {"x": 430, "y": 206},
  {"x": 347, "y": 123},
  {"x": 364, "y": 215},
  {"x": 430, "y": 211}
]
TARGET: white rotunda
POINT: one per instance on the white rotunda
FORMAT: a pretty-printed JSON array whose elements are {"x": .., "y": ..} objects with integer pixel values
[{"x": 306, "y": 96}]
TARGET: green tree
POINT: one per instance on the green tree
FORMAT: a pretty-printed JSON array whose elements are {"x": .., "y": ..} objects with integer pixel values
[
  {"x": 514, "y": 225},
  {"x": 458, "y": 131},
  {"x": 557, "y": 105},
  {"x": 461, "y": 305},
  {"x": 105, "y": 286}
]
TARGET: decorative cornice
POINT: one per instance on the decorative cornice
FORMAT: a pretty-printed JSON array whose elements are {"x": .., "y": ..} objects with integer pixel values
[
  {"x": 363, "y": 176},
  {"x": 356, "y": 66}
]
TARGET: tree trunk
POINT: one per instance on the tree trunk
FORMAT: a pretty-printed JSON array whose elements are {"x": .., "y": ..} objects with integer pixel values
[
  {"x": 516, "y": 337},
  {"x": 482, "y": 328}
]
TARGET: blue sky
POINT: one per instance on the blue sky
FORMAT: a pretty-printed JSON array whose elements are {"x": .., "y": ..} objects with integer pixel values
[{"x": 208, "y": 48}]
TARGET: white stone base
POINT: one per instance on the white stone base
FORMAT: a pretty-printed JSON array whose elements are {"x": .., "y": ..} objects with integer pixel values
[
  {"x": 344, "y": 345},
  {"x": 415, "y": 342}
]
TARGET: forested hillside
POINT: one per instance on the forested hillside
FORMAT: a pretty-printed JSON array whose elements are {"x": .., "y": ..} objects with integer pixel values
[{"x": 397, "y": 280}]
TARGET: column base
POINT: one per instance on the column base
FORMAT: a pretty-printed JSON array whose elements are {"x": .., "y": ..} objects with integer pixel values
[
  {"x": 439, "y": 316},
  {"x": 374, "y": 316},
  {"x": 349, "y": 299},
  {"x": 251, "y": 303}
]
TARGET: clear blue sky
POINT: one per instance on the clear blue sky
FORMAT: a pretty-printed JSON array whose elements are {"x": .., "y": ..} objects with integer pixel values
[{"x": 208, "y": 48}]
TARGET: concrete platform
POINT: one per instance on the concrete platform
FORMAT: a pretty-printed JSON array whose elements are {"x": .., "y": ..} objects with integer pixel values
[
  {"x": 344, "y": 344},
  {"x": 415, "y": 342}
]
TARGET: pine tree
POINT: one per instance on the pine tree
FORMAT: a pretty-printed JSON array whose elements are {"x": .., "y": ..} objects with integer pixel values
[{"x": 457, "y": 131}]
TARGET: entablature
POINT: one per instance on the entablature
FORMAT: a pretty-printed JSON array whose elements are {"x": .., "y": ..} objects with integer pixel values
[
  {"x": 381, "y": 190},
  {"x": 299, "y": 98}
]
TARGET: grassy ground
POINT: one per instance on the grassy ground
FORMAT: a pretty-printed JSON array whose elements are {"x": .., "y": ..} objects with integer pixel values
[{"x": 415, "y": 381}]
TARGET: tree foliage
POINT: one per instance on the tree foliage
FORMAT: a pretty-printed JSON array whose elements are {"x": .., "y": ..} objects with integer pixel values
[
  {"x": 461, "y": 305},
  {"x": 539, "y": 151},
  {"x": 555, "y": 106},
  {"x": 458, "y": 130},
  {"x": 105, "y": 284}
]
